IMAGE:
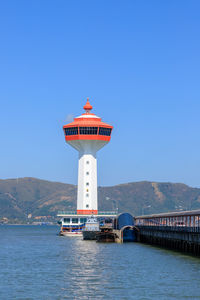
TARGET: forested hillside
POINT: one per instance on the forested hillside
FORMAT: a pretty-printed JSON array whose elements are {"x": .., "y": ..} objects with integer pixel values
[{"x": 23, "y": 197}]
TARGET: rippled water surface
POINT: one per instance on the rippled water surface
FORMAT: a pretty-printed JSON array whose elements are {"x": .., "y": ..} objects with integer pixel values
[{"x": 35, "y": 263}]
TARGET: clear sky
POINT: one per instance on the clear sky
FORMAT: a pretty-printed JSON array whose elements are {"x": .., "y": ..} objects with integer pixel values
[{"x": 137, "y": 61}]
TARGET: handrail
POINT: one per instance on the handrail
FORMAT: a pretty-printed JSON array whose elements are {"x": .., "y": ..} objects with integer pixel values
[
  {"x": 170, "y": 228},
  {"x": 99, "y": 213}
]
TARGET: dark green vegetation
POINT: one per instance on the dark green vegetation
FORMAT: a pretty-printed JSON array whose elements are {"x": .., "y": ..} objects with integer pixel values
[{"x": 24, "y": 196}]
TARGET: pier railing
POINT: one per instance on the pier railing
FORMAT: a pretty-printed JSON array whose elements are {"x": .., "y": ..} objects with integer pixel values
[
  {"x": 172, "y": 228},
  {"x": 183, "y": 219}
]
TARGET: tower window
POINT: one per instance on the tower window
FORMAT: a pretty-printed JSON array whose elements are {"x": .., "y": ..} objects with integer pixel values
[
  {"x": 87, "y": 162},
  {"x": 88, "y": 130},
  {"x": 71, "y": 131},
  {"x": 87, "y": 173},
  {"x": 87, "y": 183},
  {"x": 87, "y": 205},
  {"x": 104, "y": 131},
  {"x": 87, "y": 195}
]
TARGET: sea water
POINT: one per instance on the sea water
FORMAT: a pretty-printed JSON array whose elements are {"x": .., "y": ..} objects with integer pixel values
[{"x": 36, "y": 263}]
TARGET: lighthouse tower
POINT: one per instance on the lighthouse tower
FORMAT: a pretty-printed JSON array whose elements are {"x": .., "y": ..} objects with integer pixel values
[{"x": 87, "y": 134}]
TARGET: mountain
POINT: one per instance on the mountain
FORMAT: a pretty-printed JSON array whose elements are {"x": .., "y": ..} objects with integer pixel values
[{"x": 40, "y": 198}]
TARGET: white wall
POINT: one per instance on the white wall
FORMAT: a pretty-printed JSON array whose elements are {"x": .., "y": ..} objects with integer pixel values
[{"x": 87, "y": 163}]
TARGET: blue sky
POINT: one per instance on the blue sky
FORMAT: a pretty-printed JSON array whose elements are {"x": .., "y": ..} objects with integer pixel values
[{"x": 138, "y": 62}]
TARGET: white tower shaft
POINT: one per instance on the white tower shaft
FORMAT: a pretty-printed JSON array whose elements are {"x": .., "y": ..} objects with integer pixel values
[
  {"x": 87, "y": 201},
  {"x": 87, "y": 183}
]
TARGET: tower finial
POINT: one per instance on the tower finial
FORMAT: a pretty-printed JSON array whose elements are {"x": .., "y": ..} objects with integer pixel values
[{"x": 88, "y": 106}]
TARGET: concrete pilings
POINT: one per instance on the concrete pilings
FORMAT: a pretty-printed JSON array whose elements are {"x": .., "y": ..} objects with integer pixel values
[{"x": 184, "y": 239}]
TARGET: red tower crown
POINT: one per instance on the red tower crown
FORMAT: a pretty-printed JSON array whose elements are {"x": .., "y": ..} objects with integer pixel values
[
  {"x": 87, "y": 127},
  {"x": 88, "y": 107}
]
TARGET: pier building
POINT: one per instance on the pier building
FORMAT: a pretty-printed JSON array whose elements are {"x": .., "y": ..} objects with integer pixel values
[{"x": 87, "y": 134}]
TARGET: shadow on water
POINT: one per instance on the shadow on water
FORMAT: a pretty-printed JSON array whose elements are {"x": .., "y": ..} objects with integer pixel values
[{"x": 173, "y": 252}]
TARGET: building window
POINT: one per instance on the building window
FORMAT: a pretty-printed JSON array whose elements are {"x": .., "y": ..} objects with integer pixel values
[
  {"x": 74, "y": 220},
  {"x": 87, "y": 195},
  {"x": 67, "y": 220},
  {"x": 83, "y": 220},
  {"x": 87, "y": 190},
  {"x": 87, "y": 162},
  {"x": 87, "y": 183},
  {"x": 87, "y": 173},
  {"x": 87, "y": 205}
]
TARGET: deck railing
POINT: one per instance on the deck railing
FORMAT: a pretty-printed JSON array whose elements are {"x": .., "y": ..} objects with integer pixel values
[
  {"x": 99, "y": 213},
  {"x": 171, "y": 228},
  {"x": 174, "y": 219}
]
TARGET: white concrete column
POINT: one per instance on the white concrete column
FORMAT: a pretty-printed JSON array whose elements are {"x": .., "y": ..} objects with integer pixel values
[{"x": 87, "y": 181}]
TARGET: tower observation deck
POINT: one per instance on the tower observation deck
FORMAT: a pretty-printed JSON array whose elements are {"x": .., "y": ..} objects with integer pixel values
[{"x": 87, "y": 134}]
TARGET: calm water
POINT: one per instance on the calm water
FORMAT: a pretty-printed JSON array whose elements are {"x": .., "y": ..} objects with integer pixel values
[{"x": 35, "y": 263}]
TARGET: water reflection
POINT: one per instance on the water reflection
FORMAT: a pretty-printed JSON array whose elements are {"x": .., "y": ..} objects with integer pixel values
[
  {"x": 84, "y": 272},
  {"x": 128, "y": 271}
]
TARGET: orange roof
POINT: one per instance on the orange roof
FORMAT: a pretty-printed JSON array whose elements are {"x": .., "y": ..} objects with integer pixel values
[
  {"x": 87, "y": 119},
  {"x": 87, "y": 123}
]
